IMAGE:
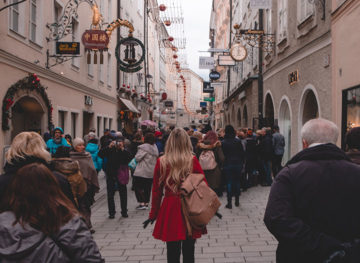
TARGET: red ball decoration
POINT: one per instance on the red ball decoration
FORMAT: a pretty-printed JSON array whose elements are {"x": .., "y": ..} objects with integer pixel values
[
  {"x": 167, "y": 23},
  {"x": 128, "y": 87},
  {"x": 124, "y": 85},
  {"x": 33, "y": 82},
  {"x": 164, "y": 96},
  {"x": 171, "y": 39},
  {"x": 162, "y": 7},
  {"x": 37, "y": 79},
  {"x": 34, "y": 75},
  {"x": 175, "y": 56}
]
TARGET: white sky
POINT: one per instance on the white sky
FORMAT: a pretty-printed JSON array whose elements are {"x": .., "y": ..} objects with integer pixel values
[{"x": 197, "y": 22}]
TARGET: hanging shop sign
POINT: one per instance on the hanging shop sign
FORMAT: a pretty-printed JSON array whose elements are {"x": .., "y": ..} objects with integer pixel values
[
  {"x": 214, "y": 75},
  {"x": 211, "y": 99},
  {"x": 95, "y": 40},
  {"x": 207, "y": 87},
  {"x": 68, "y": 48},
  {"x": 225, "y": 60},
  {"x": 169, "y": 104},
  {"x": 203, "y": 104},
  {"x": 260, "y": 4},
  {"x": 128, "y": 62},
  {"x": 206, "y": 63},
  {"x": 294, "y": 77}
]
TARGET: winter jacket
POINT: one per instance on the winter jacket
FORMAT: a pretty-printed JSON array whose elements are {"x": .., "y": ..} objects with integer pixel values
[
  {"x": 52, "y": 145},
  {"x": 278, "y": 143},
  {"x": 354, "y": 155},
  {"x": 115, "y": 157},
  {"x": 87, "y": 169},
  {"x": 170, "y": 224},
  {"x": 160, "y": 145},
  {"x": 266, "y": 148},
  {"x": 134, "y": 147},
  {"x": 213, "y": 177},
  {"x": 11, "y": 169},
  {"x": 146, "y": 157},
  {"x": 312, "y": 207},
  {"x": 73, "y": 243},
  {"x": 71, "y": 171},
  {"x": 233, "y": 151},
  {"x": 93, "y": 149}
]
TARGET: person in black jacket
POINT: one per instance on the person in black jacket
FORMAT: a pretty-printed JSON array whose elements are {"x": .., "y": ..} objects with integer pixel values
[
  {"x": 27, "y": 148},
  {"x": 234, "y": 161},
  {"x": 313, "y": 204},
  {"x": 116, "y": 156},
  {"x": 266, "y": 154}
]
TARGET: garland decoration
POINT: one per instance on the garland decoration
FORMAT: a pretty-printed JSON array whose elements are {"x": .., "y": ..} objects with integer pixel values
[{"x": 30, "y": 83}]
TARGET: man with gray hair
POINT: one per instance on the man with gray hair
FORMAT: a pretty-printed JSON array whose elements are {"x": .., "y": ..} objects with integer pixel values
[{"x": 313, "y": 204}]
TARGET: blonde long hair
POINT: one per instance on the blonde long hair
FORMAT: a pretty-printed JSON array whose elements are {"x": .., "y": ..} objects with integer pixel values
[
  {"x": 178, "y": 158},
  {"x": 27, "y": 144}
]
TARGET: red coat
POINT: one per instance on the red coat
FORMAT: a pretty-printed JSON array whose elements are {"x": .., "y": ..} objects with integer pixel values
[{"x": 170, "y": 224}]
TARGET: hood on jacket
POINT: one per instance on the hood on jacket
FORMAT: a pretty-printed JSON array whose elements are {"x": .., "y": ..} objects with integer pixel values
[
  {"x": 82, "y": 155},
  {"x": 151, "y": 149},
  {"x": 18, "y": 163},
  {"x": 65, "y": 165},
  {"x": 92, "y": 147},
  {"x": 15, "y": 241}
]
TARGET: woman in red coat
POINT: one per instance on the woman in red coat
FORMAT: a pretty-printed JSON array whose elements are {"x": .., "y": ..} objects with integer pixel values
[{"x": 177, "y": 162}]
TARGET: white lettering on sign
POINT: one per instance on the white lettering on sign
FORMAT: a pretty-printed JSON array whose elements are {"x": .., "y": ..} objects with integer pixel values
[
  {"x": 206, "y": 63},
  {"x": 260, "y": 4}
]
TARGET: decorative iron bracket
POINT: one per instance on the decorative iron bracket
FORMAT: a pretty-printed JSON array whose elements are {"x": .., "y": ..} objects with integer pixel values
[{"x": 58, "y": 58}]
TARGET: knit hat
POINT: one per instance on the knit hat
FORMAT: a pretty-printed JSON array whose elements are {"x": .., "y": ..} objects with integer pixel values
[
  {"x": 59, "y": 129},
  {"x": 77, "y": 141}
]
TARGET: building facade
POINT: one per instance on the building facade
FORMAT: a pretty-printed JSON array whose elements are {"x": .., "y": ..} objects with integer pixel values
[{"x": 345, "y": 54}]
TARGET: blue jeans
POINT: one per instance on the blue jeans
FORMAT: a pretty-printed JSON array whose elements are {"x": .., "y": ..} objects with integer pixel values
[
  {"x": 233, "y": 177},
  {"x": 267, "y": 170}
]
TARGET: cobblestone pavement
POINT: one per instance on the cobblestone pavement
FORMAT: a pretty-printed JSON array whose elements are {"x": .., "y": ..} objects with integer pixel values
[{"x": 240, "y": 236}]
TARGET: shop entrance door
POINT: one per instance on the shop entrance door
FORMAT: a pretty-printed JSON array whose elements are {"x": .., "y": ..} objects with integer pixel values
[{"x": 87, "y": 122}]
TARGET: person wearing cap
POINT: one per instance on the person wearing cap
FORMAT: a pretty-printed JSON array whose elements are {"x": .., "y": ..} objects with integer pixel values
[
  {"x": 57, "y": 141},
  {"x": 159, "y": 142},
  {"x": 115, "y": 168}
]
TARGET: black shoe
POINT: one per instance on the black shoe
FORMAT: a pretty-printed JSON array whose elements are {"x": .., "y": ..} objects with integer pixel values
[
  {"x": 92, "y": 231},
  {"x": 229, "y": 206},
  {"x": 237, "y": 202},
  {"x": 111, "y": 216},
  {"x": 125, "y": 215}
]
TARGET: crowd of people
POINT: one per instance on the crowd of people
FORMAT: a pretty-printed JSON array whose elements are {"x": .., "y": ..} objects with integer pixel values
[{"x": 54, "y": 180}]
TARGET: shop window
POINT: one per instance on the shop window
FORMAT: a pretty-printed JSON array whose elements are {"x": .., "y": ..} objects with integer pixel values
[
  {"x": 110, "y": 124},
  {"x": 98, "y": 127},
  {"x": 61, "y": 120},
  {"x": 352, "y": 108}
]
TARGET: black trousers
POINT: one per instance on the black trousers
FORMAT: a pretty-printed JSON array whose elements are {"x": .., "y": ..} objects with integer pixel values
[
  {"x": 142, "y": 189},
  {"x": 174, "y": 249},
  {"x": 276, "y": 164},
  {"x": 112, "y": 185}
]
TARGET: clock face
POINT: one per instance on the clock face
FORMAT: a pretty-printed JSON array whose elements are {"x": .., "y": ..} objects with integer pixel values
[{"x": 238, "y": 52}]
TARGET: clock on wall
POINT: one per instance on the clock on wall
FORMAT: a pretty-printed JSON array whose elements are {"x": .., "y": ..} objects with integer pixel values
[{"x": 238, "y": 52}]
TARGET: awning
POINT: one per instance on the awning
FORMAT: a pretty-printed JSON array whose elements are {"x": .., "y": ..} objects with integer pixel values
[{"x": 131, "y": 107}]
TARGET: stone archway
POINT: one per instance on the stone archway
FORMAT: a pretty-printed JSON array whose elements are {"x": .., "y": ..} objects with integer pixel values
[
  {"x": 285, "y": 128},
  {"x": 27, "y": 115},
  {"x": 310, "y": 108},
  {"x": 245, "y": 117},
  {"x": 239, "y": 117},
  {"x": 269, "y": 111}
]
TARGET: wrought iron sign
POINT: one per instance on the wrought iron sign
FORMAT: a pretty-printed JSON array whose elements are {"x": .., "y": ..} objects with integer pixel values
[
  {"x": 97, "y": 41},
  {"x": 129, "y": 62}
]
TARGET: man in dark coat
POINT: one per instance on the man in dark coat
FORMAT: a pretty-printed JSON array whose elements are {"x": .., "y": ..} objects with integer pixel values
[{"x": 313, "y": 204}]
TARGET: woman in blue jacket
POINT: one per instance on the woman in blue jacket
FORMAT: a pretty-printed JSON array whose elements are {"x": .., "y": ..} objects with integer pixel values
[{"x": 93, "y": 148}]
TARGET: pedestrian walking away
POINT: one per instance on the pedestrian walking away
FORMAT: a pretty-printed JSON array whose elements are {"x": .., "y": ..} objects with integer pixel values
[
  {"x": 38, "y": 223},
  {"x": 234, "y": 161},
  {"x": 279, "y": 145},
  {"x": 312, "y": 207},
  {"x": 170, "y": 170},
  {"x": 145, "y": 157}
]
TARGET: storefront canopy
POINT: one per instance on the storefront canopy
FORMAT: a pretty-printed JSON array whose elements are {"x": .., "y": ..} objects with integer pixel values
[{"x": 129, "y": 105}]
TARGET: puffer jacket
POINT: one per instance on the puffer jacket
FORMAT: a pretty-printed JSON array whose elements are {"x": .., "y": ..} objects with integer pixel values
[
  {"x": 146, "y": 157},
  {"x": 73, "y": 243},
  {"x": 93, "y": 149}
]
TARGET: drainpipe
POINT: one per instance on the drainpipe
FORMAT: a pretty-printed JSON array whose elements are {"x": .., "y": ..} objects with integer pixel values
[
  {"x": 260, "y": 78},
  {"x": 230, "y": 42},
  {"x": 118, "y": 39},
  {"x": 146, "y": 43}
]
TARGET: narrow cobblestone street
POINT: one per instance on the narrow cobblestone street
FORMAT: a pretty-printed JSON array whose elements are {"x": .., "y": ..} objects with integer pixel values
[{"x": 240, "y": 236}]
